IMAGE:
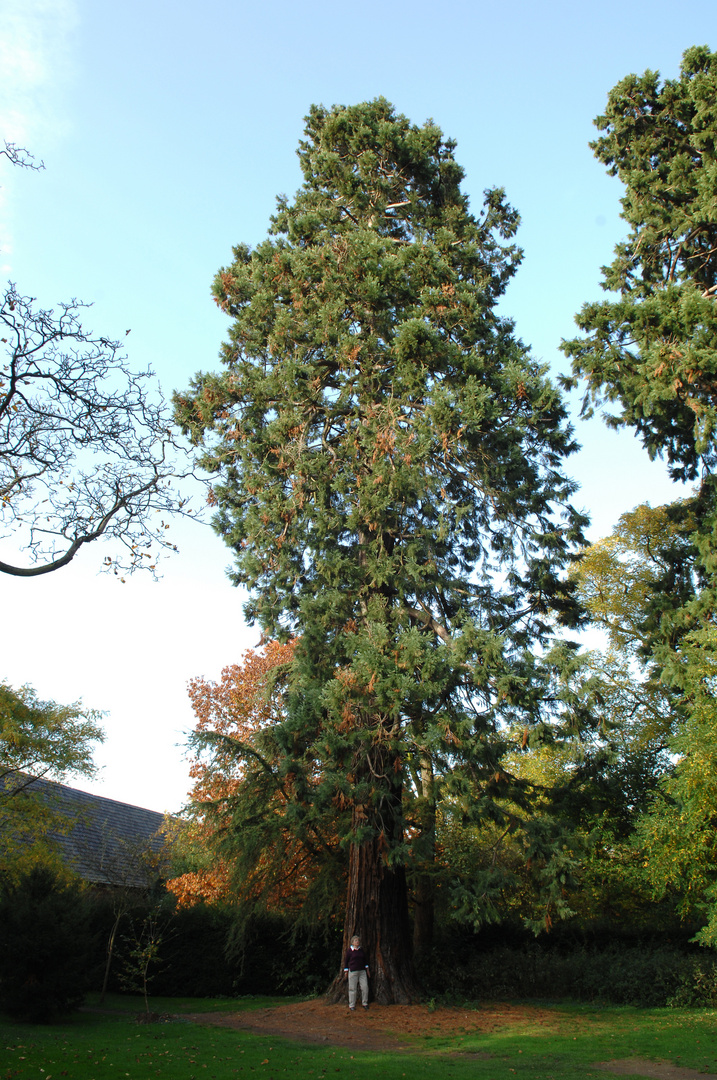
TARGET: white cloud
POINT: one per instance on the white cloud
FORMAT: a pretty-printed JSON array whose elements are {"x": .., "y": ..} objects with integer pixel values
[
  {"x": 36, "y": 50},
  {"x": 35, "y": 63}
]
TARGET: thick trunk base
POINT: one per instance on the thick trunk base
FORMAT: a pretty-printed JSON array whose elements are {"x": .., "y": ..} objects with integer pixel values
[{"x": 377, "y": 911}]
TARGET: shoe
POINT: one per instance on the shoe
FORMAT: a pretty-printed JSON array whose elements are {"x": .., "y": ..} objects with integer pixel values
[
  {"x": 352, "y": 1008},
  {"x": 366, "y": 1008}
]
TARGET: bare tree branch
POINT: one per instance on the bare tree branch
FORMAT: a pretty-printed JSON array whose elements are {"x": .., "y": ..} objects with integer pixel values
[
  {"x": 17, "y": 155},
  {"x": 86, "y": 446}
]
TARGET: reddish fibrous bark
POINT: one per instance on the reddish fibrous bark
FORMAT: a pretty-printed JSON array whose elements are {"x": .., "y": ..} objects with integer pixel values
[{"x": 377, "y": 899}]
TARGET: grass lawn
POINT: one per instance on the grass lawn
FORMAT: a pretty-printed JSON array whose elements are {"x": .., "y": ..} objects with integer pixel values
[{"x": 95, "y": 1046}]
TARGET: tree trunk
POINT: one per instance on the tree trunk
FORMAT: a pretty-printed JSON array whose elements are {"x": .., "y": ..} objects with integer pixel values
[
  {"x": 110, "y": 952},
  {"x": 377, "y": 911}
]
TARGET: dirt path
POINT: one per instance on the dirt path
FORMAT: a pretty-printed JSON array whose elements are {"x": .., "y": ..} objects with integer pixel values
[
  {"x": 397, "y": 1027},
  {"x": 653, "y": 1070},
  {"x": 382, "y": 1027}
]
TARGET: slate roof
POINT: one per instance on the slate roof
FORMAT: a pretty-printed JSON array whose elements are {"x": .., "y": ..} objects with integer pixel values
[{"x": 106, "y": 841}]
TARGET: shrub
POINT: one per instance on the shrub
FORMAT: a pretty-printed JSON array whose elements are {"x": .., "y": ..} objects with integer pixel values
[
  {"x": 45, "y": 946},
  {"x": 645, "y": 974},
  {"x": 274, "y": 956},
  {"x": 194, "y": 962}
]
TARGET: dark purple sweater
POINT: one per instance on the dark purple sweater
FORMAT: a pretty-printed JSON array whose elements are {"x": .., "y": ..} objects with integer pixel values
[{"x": 355, "y": 960}]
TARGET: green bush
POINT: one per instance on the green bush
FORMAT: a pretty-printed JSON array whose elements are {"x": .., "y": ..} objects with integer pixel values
[
  {"x": 697, "y": 986},
  {"x": 646, "y": 975},
  {"x": 274, "y": 956},
  {"x": 193, "y": 956},
  {"x": 45, "y": 947},
  {"x": 203, "y": 953}
]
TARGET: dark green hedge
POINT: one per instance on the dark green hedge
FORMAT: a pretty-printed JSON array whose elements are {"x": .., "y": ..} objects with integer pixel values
[
  {"x": 647, "y": 975},
  {"x": 203, "y": 955},
  {"x": 46, "y": 945}
]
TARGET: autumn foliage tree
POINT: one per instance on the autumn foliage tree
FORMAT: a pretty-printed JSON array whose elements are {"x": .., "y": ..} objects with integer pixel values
[{"x": 240, "y": 792}]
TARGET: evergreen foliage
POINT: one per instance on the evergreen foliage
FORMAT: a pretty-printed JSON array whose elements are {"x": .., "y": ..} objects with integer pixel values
[
  {"x": 275, "y": 868},
  {"x": 388, "y": 459},
  {"x": 45, "y": 946},
  {"x": 651, "y": 348},
  {"x": 642, "y": 974}
]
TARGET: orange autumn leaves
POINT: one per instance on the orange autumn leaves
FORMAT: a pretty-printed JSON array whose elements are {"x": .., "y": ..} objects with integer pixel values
[
  {"x": 231, "y": 712},
  {"x": 242, "y": 843},
  {"x": 237, "y": 707}
]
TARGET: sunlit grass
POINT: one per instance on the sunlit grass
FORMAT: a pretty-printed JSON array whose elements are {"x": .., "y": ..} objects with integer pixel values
[
  {"x": 129, "y": 1003},
  {"x": 565, "y": 1046}
]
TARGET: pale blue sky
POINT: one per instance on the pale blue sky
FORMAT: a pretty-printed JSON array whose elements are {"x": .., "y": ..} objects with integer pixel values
[{"x": 167, "y": 132}]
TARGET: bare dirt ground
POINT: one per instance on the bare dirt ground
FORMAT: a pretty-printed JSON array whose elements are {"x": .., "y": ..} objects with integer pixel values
[
  {"x": 397, "y": 1027},
  {"x": 381, "y": 1027},
  {"x": 653, "y": 1070}
]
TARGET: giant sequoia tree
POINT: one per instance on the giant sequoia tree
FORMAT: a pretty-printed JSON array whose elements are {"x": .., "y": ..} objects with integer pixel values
[{"x": 387, "y": 461}]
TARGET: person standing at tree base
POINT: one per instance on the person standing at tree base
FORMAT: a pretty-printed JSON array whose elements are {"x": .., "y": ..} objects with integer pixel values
[{"x": 357, "y": 972}]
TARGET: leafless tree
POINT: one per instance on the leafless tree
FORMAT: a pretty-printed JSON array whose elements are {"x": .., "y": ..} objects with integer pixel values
[{"x": 86, "y": 444}]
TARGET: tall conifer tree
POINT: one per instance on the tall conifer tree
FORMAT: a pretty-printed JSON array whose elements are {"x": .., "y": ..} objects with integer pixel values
[
  {"x": 388, "y": 461},
  {"x": 649, "y": 349},
  {"x": 651, "y": 346}
]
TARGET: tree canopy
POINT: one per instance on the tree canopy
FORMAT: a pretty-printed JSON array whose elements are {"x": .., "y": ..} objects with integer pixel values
[
  {"x": 652, "y": 345},
  {"x": 240, "y": 846},
  {"x": 651, "y": 349},
  {"x": 42, "y": 738},
  {"x": 38, "y": 739}
]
